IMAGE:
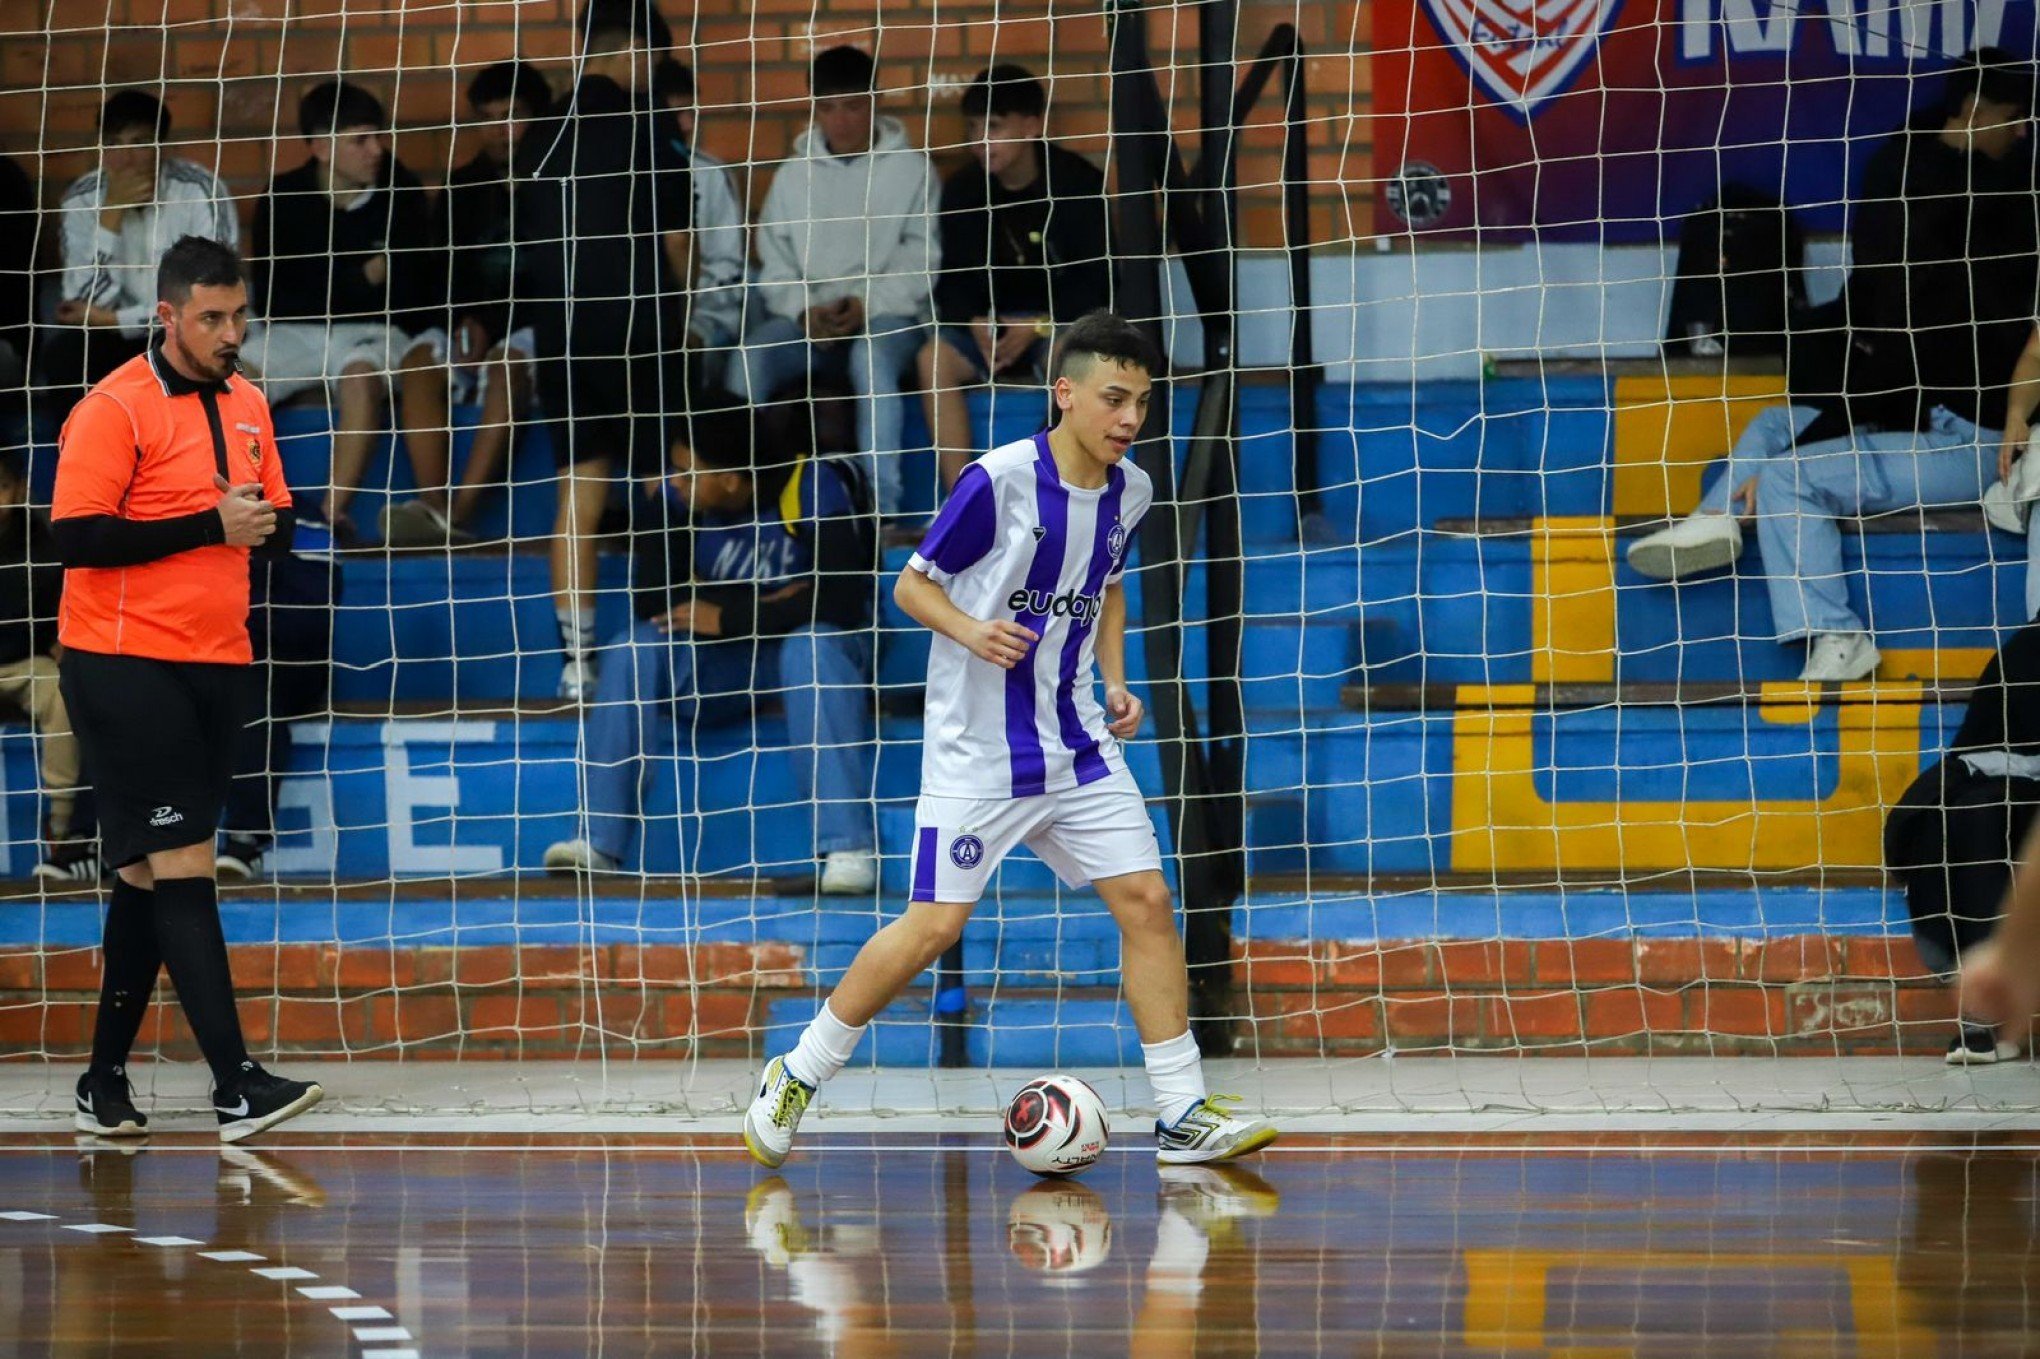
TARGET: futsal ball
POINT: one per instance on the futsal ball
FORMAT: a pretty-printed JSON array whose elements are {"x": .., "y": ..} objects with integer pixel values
[
  {"x": 1056, "y": 1125},
  {"x": 1059, "y": 1228}
]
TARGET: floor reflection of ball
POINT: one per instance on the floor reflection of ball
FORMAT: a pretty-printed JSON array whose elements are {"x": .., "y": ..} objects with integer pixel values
[{"x": 1059, "y": 1228}]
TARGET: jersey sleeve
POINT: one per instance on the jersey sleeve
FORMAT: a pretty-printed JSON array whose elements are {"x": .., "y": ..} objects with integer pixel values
[
  {"x": 964, "y": 531},
  {"x": 275, "y": 489},
  {"x": 96, "y": 456},
  {"x": 1140, "y": 494}
]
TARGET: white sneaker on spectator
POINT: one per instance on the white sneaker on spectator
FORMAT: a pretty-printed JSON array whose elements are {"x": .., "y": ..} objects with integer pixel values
[
  {"x": 578, "y": 856},
  {"x": 1699, "y": 542},
  {"x": 577, "y": 679},
  {"x": 1838, "y": 657},
  {"x": 849, "y": 872}
]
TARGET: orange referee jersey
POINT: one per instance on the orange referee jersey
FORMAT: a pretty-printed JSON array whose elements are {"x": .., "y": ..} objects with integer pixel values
[{"x": 145, "y": 444}]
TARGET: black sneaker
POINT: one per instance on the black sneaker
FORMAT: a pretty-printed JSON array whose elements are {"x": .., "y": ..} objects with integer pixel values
[
  {"x": 106, "y": 1106},
  {"x": 1979, "y": 1045},
  {"x": 71, "y": 861},
  {"x": 259, "y": 1101},
  {"x": 239, "y": 859}
]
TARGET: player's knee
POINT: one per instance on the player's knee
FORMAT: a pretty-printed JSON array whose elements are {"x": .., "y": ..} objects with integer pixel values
[
  {"x": 933, "y": 929},
  {"x": 1146, "y": 906}
]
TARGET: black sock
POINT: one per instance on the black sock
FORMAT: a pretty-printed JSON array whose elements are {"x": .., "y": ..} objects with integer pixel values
[
  {"x": 127, "y": 974},
  {"x": 195, "y": 952}
]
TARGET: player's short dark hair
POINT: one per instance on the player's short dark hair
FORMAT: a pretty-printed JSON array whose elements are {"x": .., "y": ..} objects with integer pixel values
[
  {"x": 1005, "y": 91},
  {"x": 612, "y": 25},
  {"x": 1103, "y": 335},
  {"x": 196, "y": 262},
  {"x": 519, "y": 82},
  {"x": 334, "y": 106},
  {"x": 842, "y": 70},
  {"x": 125, "y": 109},
  {"x": 672, "y": 80},
  {"x": 1994, "y": 76}
]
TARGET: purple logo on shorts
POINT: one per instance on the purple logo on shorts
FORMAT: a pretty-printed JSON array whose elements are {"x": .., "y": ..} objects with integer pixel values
[{"x": 966, "y": 851}]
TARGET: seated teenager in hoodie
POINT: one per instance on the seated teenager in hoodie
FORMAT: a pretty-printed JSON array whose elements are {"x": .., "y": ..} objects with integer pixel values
[
  {"x": 753, "y": 575},
  {"x": 846, "y": 261},
  {"x": 1024, "y": 245}
]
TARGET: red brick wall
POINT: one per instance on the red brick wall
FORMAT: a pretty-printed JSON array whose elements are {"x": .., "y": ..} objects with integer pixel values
[{"x": 234, "y": 68}]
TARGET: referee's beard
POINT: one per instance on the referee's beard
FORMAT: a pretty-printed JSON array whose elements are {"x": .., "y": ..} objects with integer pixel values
[{"x": 223, "y": 361}]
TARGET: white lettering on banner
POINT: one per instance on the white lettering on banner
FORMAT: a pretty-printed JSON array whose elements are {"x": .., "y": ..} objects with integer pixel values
[
  {"x": 1909, "y": 30},
  {"x": 405, "y": 793},
  {"x": 320, "y": 852}
]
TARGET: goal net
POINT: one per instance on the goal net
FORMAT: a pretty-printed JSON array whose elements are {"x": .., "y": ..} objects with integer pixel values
[{"x": 1464, "y": 305}]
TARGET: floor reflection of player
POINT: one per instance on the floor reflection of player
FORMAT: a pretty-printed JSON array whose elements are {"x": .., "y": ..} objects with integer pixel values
[
  {"x": 110, "y": 1292},
  {"x": 1970, "y": 1262},
  {"x": 837, "y": 1273},
  {"x": 1198, "y": 1240}
]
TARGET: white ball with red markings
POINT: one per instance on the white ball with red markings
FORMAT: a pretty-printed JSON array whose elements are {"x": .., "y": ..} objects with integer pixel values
[{"x": 1056, "y": 1125}]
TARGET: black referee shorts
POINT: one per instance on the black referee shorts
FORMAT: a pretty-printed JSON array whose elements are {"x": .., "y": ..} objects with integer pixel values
[{"x": 158, "y": 739}]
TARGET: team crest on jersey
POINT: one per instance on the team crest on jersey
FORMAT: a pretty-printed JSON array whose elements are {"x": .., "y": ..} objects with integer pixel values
[
  {"x": 1115, "y": 541},
  {"x": 966, "y": 851},
  {"x": 1522, "y": 56},
  {"x": 254, "y": 452}
]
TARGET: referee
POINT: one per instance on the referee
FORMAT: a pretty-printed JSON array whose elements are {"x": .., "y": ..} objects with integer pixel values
[{"x": 167, "y": 478}]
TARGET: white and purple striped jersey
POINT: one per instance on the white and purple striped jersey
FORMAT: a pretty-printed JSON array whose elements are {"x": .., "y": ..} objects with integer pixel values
[{"x": 1014, "y": 542}]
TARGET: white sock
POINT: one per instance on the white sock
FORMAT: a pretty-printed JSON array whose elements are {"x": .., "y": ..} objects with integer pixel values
[
  {"x": 1180, "y": 1253},
  {"x": 825, "y": 1045},
  {"x": 577, "y": 632},
  {"x": 1176, "y": 1072}
]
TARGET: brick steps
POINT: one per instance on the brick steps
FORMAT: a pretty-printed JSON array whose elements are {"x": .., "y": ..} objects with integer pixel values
[{"x": 1801, "y": 994}]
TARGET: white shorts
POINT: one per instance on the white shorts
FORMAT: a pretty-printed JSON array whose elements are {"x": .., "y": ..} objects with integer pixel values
[
  {"x": 469, "y": 378},
  {"x": 295, "y": 356},
  {"x": 1100, "y": 830}
]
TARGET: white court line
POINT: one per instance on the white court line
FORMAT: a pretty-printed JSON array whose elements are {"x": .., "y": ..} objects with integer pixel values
[
  {"x": 170, "y": 1241},
  {"x": 389, "y": 1354},
  {"x": 1375, "y": 1144},
  {"x": 328, "y": 1292},
  {"x": 17, "y": 1215},
  {"x": 230, "y": 1257},
  {"x": 381, "y": 1333},
  {"x": 95, "y": 1228},
  {"x": 362, "y": 1313},
  {"x": 283, "y": 1272}
]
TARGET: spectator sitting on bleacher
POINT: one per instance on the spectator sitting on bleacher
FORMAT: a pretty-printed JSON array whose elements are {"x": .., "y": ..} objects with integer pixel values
[
  {"x": 290, "y": 630},
  {"x": 846, "y": 261},
  {"x": 605, "y": 259},
  {"x": 117, "y": 221},
  {"x": 345, "y": 263},
  {"x": 753, "y": 576},
  {"x": 491, "y": 351},
  {"x": 1939, "y": 300},
  {"x": 31, "y": 583},
  {"x": 1024, "y": 245},
  {"x": 1955, "y": 834},
  {"x": 722, "y": 243}
]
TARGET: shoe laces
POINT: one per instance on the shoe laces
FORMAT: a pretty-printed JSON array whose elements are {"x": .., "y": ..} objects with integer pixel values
[
  {"x": 792, "y": 1102},
  {"x": 1214, "y": 1108}
]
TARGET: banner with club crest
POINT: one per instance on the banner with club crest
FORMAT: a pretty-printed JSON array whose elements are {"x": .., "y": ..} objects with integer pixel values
[{"x": 1612, "y": 119}]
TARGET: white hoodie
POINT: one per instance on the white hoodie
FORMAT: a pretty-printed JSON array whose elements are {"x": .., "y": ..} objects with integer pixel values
[
  {"x": 843, "y": 226},
  {"x": 117, "y": 269}
]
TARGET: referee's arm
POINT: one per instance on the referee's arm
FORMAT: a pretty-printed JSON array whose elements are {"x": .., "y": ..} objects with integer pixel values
[{"x": 95, "y": 466}]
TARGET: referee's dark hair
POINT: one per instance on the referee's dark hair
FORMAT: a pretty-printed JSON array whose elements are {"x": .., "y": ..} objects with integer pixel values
[
  {"x": 1102, "y": 335},
  {"x": 134, "y": 108},
  {"x": 196, "y": 262},
  {"x": 334, "y": 106}
]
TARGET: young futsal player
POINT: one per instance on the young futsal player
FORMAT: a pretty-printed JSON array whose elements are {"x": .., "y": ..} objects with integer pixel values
[
  {"x": 1019, "y": 580},
  {"x": 2001, "y": 980}
]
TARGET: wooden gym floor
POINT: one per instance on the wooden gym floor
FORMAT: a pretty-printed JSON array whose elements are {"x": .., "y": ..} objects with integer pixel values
[{"x": 617, "y": 1245}]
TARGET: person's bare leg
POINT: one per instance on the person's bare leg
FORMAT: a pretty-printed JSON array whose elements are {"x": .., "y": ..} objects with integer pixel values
[
  {"x": 505, "y": 396},
  {"x": 1156, "y": 979},
  {"x": 892, "y": 958},
  {"x": 944, "y": 374},
  {"x": 357, "y": 425},
  {"x": 424, "y": 418},
  {"x": 584, "y": 494}
]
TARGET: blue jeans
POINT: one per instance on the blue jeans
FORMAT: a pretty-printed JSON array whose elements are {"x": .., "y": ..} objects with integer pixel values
[
  {"x": 1768, "y": 436},
  {"x": 776, "y": 351},
  {"x": 1801, "y": 498},
  {"x": 650, "y": 679}
]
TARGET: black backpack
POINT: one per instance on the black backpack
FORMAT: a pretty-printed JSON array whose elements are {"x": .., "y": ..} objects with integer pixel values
[{"x": 1739, "y": 280}]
